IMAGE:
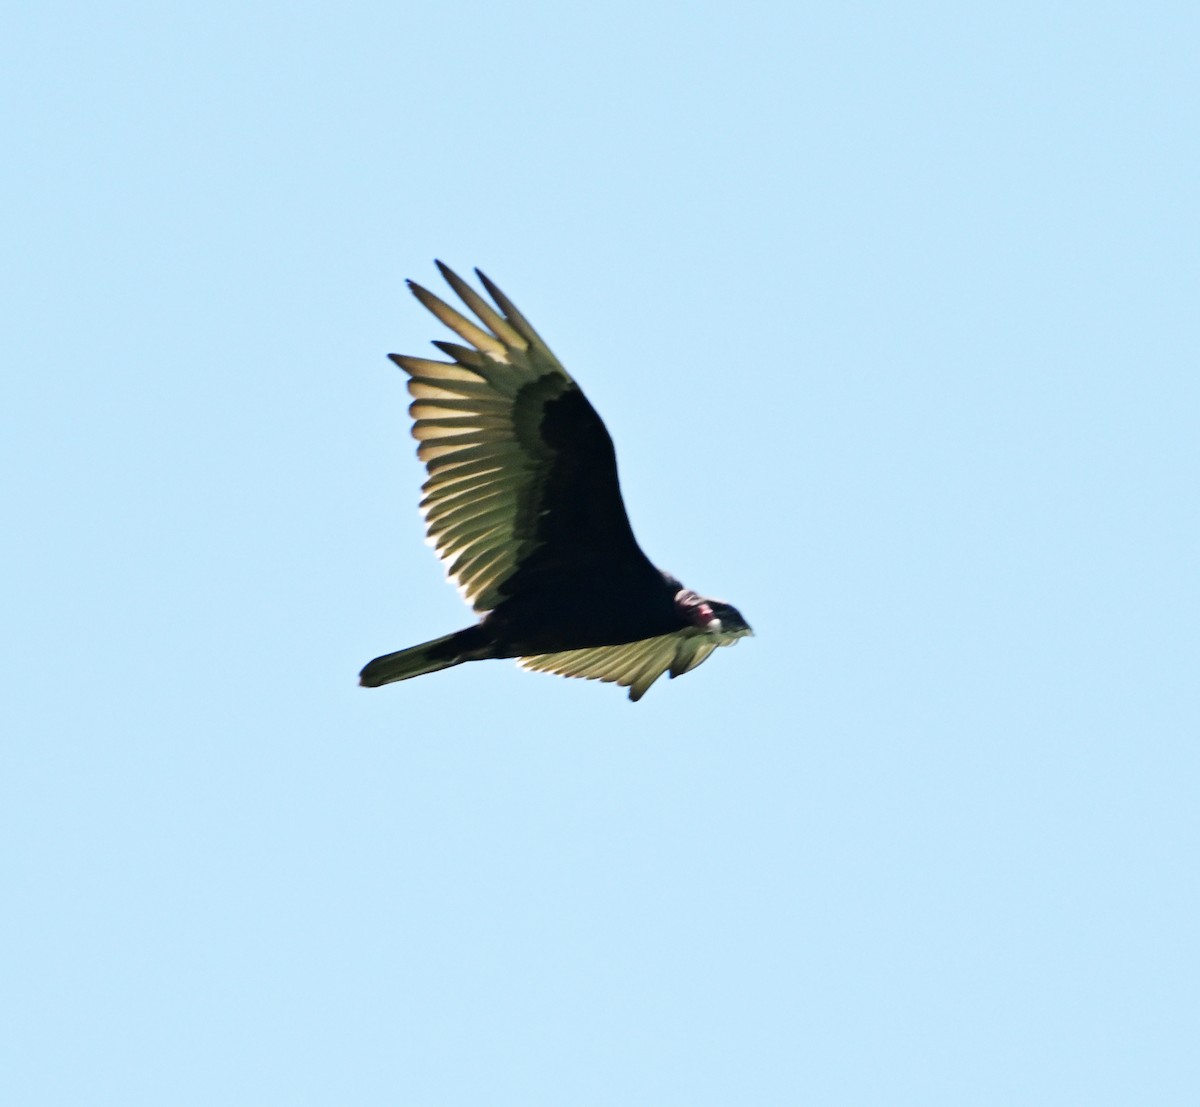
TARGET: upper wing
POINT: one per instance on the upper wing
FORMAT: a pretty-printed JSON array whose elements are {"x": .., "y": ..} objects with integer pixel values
[
  {"x": 635, "y": 666},
  {"x": 522, "y": 473}
]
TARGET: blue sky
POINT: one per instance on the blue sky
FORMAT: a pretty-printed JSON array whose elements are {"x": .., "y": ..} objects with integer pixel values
[{"x": 891, "y": 312}]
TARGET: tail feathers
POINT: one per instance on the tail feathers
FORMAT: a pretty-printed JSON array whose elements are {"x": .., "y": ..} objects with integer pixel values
[{"x": 428, "y": 657}]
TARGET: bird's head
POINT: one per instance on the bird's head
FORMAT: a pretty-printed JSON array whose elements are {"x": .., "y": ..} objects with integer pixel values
[
  {"x": 721, "y": 620},
  {"x": 730, "y": 618}
]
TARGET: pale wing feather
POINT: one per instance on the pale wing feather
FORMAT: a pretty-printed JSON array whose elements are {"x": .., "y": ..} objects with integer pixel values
[
  {"x": 634, "y": 665},
  {"x": 479, "y": 465},
  {"x": 693, "y": 652}
]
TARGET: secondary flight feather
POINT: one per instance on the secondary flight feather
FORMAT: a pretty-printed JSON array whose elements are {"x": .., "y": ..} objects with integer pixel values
[{"x": 523, "y": 505}]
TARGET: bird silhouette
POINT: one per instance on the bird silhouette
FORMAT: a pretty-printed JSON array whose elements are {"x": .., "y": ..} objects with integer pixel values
[{"x": 523, "y": 505}]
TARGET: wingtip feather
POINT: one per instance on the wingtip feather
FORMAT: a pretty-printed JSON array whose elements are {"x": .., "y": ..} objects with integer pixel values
[{"x": 512, "y": 314}]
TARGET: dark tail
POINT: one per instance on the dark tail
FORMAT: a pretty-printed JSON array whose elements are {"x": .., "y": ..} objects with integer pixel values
[{"x": 428, "y": 657}]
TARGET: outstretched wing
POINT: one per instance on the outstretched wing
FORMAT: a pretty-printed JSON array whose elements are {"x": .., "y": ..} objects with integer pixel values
[
  {"x": 635, "y": 666},
  {"x": 522, "y": 473}
]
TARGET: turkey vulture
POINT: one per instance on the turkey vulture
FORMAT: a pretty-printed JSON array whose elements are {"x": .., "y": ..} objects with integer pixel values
[{"x": 524, "y": 508}]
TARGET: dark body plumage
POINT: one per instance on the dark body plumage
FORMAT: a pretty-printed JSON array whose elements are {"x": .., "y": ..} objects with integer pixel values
[{"x": 524, "y": 505}]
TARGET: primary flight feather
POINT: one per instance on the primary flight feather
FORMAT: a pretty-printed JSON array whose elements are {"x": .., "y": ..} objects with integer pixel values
[{"x": 524, "y": 508}]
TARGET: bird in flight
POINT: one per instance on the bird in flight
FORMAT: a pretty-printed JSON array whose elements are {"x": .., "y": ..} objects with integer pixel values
[{"x": 524, "y": 508}]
